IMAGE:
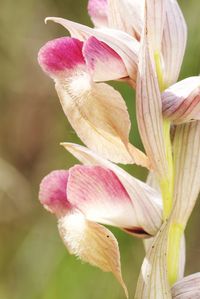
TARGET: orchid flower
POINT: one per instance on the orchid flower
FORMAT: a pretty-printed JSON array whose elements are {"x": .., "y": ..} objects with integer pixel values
[
  {"x": 76, "y": 67},
  {"x": 99, "y": 192}
]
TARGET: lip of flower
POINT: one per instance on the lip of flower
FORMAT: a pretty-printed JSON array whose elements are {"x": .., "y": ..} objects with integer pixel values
[{"x": 75, "y": 67}]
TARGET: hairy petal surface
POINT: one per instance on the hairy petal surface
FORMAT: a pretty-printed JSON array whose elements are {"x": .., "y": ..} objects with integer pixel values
[
  {"x": 181, "y": 101},
  {"x": 187, "y": 288},
  {"x": 126, "y": 15},
  {"x": 92, "y": 243},
  {"x": 146, "y": 201},
  {"x": 174, "y": 42},
  {"x": 123, "y": 44}
]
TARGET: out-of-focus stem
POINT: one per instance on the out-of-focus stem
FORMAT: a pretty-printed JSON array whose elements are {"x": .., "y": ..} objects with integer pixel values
[{"x": 173, "y": 251}]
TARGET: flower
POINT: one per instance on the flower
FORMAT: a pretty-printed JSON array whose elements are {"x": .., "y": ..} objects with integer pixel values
[
  {"x": 76, "y": 66},
  {"x": 99, "y": 192}
]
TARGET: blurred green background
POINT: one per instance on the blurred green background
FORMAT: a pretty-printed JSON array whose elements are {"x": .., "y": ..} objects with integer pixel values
[{"x": 33, "y": 261}]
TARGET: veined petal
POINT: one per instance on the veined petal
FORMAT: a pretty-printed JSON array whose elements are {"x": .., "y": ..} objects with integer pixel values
[
  {"x": 155, "y": 19},
  {"x": 187, "y": 170},
  {"x": 187, "y": 288},
  {"x": 52, "y": 193},
  {"x": 98, "y": 193},
  {"x": 123, "y": 44},
  {"x": 146, "y": 201},
  {"x": 87, "y": 105},
  {"x": 149, "y": 110},
  {"x": 174, "y": 42},
  {"x": 98, "y": 11},
  {"x": 102, "y": 61},
  {"x": 153, "y": 281},
  {"x": 126, "y": 15},
  {"x": 181, "y": 101},
  {"x": 92, "y": 243},
  {"x": 88, "y": 111}
]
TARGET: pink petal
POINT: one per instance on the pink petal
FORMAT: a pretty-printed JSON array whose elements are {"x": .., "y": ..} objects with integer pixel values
[
  {"x": 61, "y": 55},
  {"x": 181, "y": 101},
  {"x": 103, "y": 62},
  {"x": 126, "y": 46},
  {"x": 52, "y": 193},
  {"x": 146, "y": 201},
  {"x": 187, "y": 288},
  {"x": 100, "y": 196},
  {"x": 97, "y": 9}
]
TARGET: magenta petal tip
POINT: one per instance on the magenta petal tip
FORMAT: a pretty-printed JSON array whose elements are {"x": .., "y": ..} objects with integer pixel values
[
  {"x": 52, "y": 193},
  {"x": 61, "y": 54}
]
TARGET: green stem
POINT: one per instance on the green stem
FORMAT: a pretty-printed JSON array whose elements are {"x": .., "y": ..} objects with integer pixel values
[
  {"x": 167, "y": 188},
  {"x": 167, "y": 184},
  {"x": 173, "y": 251}
]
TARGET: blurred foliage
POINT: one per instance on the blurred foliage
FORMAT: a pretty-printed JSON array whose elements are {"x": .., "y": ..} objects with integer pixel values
[{"x": 33, "y": 261}]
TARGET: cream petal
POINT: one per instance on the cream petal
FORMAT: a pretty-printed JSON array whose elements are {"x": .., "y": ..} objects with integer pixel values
[
  {"x": 187, "y": 288},
  {"x": 102, "y": 61},
  {"x": 174, "y": 42},
  {"x": 123, "y": 44},
  {"x": 126, "y": 15},
  {"x": 181, "y": 101},
  {"x": 147, "y": 202},
  {"x": 91, "y": 243},
  {"x": 87, "y": 107},
  {"x": 98, "y": 11}
]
